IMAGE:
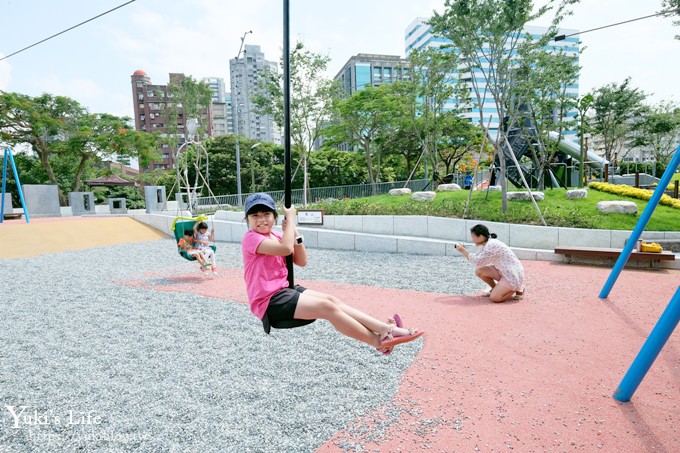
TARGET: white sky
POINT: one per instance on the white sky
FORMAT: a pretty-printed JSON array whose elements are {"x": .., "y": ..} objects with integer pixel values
[{"x": 93, "y": 63}]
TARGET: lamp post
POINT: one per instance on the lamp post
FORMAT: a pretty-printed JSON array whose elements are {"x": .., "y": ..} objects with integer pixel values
[
  {"x": 252, "y": 166},
  {"x": 236, "y": 128}
]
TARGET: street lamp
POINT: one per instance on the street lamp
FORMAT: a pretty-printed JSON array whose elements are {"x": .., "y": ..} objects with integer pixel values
[
  {"x": 252, "y": 166},
  {"x": 236, "y": 128}
]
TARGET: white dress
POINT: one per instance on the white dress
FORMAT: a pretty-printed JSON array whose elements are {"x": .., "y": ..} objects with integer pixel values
[{"x": 497, "y": 254}]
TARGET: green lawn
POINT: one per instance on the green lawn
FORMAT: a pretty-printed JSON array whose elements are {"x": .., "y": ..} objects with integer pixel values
[{"x": 556, "y": 209}]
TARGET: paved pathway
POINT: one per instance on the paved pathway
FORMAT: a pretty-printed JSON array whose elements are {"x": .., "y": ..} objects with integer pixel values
[{"x": 534, "y": 375}]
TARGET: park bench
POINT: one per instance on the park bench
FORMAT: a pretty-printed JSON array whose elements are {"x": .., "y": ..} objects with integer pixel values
[{"x": 612, "y": 254}]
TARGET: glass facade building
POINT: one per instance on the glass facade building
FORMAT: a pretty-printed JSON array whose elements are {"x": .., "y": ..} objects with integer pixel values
[{"x": 419, "y": 35}]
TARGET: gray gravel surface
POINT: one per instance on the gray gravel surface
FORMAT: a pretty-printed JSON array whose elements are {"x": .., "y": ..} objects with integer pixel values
[{"x": 90, "y": 364}]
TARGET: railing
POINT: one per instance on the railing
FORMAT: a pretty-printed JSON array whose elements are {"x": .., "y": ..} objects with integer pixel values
[{"x": 317, "y": 194}]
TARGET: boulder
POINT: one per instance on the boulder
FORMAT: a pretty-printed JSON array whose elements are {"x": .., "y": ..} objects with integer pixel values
[
  {"x": 617, "y": 207},
  {"x": 423, "y": 196},
  {"x": 448, "y": 187},
  {"x": 494, "y": 188},
  {"x": 402, "y": 191},
  {"x": 538, "y": 196},
  {"x": 577, "y": 193}
]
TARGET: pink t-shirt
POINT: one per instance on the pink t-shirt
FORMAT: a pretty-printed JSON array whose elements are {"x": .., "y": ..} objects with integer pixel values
[{"x": 264, "y": 274}]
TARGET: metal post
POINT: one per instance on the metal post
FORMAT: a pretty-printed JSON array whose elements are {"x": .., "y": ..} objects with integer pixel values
[
  {"x": 286, "y": 126},
  {"x": 4, "y": 180},
  {"x": 236, "y": 128},
  {"x": 641, "y": 224},
  {"x": 650, "y": 350}
]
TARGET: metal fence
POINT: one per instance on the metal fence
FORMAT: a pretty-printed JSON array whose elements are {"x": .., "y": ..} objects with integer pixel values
[{"x": 317, "y": 194}]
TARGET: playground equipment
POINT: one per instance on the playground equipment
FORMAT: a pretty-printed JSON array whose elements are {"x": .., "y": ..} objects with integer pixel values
[
  {"x": 9, "y": 159},
  {"x": 670, "y": 317},
  {"x": 200, "y": 164},
  {"x": 181, "y": 224}
]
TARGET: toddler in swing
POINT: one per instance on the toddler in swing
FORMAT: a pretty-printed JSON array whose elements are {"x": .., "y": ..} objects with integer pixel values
[
  {"x": 187, "y": 243},
  {"x": 273, "y": 301},
  {"x": 202, "y": 242}
]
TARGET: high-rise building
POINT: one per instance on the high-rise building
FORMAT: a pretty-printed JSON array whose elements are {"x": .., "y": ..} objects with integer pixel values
[
  {"x": 419, "y": 35},
  {"x": 149, "y": 102},
  {"x": 365, "y": 70},
  {"x": 246, "y": 75},
  {"x": 230, "y": 113},
  {"x": 219, "y": 109}
]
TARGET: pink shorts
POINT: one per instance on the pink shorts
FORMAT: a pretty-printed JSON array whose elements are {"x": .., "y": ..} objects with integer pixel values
[{"x": 500, "y": 280}]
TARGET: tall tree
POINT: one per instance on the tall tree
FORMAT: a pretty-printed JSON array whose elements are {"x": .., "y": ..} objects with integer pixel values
[
  {"x": 360, "y": 119},
  {"x": 615, "y": 108},
  {"x": 186, "y": 98},
  {"x": 673, "y": 6},
  {"x": 433, "y": 88},
  {"x": 311, "y": 100},
  {"x": 657, "y": 128},
  {"x": 59, "y": 127},
  {"x": 544, "y": 84},
  {"x": 489, "y": 35}
]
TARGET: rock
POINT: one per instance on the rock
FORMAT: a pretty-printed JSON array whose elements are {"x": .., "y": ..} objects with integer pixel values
[
  {"x": 423, "y": 196},
  {"x": 448, "y": 187},
  {"x": 538, "y": 196},
  {"x": 494, "y": 188},
  {"x": 402, "y": 191},
  {"x": 617, "y": 207},
  {"x": 577, "y": 193}
]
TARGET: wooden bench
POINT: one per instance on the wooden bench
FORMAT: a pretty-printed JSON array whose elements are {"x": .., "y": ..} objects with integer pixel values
[
  {"x": 612, "y": 254},
  {"x": 13, "y": 216}
]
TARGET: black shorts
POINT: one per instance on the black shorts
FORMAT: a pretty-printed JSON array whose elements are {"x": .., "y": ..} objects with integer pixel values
[{"x": 280, "y": 313}]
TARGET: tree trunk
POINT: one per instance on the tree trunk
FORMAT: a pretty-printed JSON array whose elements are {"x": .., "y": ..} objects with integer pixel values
[
  {"x": 79, "y": 173},
  {"x": 45, "y": 162},
  {"x": 369, "y": 165}
]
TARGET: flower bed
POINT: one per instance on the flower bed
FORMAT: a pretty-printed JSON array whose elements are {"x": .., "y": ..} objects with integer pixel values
[{"x": 633, "y": 192}]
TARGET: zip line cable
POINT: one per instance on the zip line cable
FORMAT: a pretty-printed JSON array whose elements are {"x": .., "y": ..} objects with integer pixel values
[
  {"x": 661, "y": 13},
  {"x": 68, "y": 29}
]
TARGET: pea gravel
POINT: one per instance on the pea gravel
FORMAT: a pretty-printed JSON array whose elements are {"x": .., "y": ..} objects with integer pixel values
[{"x": 91, "y": 364}]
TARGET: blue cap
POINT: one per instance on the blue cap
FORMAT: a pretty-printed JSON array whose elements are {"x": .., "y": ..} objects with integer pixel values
[{"x": 260, "y": 198}]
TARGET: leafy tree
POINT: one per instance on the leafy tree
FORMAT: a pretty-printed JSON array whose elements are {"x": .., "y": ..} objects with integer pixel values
[
  {"x": 615, "y": 107},
  {"x": 582, "y": 106},
  {"x": 187, "y": 98},
  {"x": 332, "y": 167},
  {"x": 360, "y": 120},
  {"x": 657, "y": 128},
  {"x": 60, "y": 131},
  {"x": 489, "y": 37},
  {"x": 673, "y": 7},
  {"x": 262, "y": 164},
  {"x": 460, "y": 139},
  {"x": 433, "y": 87},
  {"x": 544, "y": 83},
  {"x": 311, "y": 99}
]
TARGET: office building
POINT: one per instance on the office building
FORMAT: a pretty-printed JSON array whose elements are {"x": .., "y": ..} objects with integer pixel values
[
  {"x": 365, "y": 70},
  {"x": 246, "y": 75},
  {"x": 419, "y": 35}
]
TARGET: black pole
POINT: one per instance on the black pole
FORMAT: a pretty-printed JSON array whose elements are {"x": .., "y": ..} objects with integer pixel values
[{"x": 286, "y": 126}]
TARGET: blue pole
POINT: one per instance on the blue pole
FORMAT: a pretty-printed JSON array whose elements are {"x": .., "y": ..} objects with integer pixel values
[
  {"x": 655, "y": 342},
  {"x": 641, "y": 224},
  {"x": 21, "y": 192},
  {"x": 4, "y": 180}
]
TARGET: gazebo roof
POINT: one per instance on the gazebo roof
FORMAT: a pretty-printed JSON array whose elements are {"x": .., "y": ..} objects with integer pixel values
[{"x": 110, "y": 180}]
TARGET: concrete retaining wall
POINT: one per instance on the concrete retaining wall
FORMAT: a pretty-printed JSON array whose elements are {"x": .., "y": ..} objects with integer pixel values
[{"x": 420, "y": 234}]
